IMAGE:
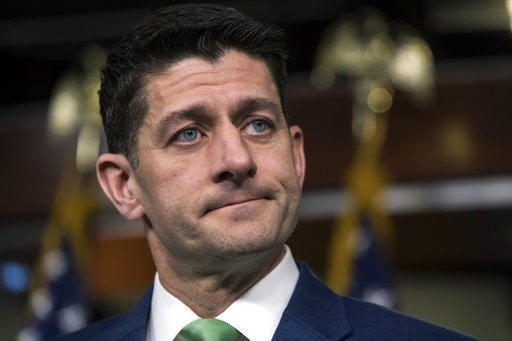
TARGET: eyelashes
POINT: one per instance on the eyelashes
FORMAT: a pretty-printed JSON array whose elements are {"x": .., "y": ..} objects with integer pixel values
[
  {"x": 190, "y": 135},
  {"x": 258, "y": 125},
  {"x": 187, "y": 135}
]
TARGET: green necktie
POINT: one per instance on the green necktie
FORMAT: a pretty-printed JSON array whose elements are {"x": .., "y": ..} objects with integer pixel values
[{"x": 209, "y": 330}]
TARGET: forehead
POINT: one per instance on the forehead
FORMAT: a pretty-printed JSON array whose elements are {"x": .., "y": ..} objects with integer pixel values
[{"x": 195, "y": 81}]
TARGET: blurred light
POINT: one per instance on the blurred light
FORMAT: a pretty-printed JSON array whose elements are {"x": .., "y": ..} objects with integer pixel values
[
  {"x": 509, "y": 11},
  {"x": 54, "y": 264},
  {"x": 379, "y": 100},
  {"x": 72, "y": 318},
  {"x": 64, "y": 109},
  {"x": 41, "y": 303},
  {"x": 341, "y": 50},
  {"x": 364, "y": 124},
  {"x": 88, "y": 146},
  {"x": 412, "y": 68},
  {"x": 399, "y": 199},
  {"x": 380, "y": 49},
  {"x": 15, "y": 277},
  {"x": 380, "y": 296}
]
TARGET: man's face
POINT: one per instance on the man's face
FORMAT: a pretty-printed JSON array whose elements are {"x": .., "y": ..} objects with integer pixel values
[{"x": 218, "y": 172}]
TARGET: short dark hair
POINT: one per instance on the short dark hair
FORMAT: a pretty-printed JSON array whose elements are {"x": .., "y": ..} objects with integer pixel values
[{"x": 165, "y": 37}]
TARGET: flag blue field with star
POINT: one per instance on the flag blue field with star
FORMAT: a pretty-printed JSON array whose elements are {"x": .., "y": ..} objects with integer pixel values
[{"x": 61, "y": 306}]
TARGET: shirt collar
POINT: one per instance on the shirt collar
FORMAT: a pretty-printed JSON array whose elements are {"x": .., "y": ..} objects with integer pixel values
[{"x": 256, "y": 314}]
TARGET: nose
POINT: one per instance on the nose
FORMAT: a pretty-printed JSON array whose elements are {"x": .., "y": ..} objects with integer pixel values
[{"x": 231, "y": 157}]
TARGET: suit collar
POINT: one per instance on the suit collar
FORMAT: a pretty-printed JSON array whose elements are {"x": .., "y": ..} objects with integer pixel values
[{"x": 314, "y": 311}]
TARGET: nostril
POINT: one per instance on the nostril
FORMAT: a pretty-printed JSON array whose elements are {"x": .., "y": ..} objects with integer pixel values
[
  {"x": 252, "y": 172},
  {"x": 237, "y": 176},
  {"x": 224, "y": 176}
]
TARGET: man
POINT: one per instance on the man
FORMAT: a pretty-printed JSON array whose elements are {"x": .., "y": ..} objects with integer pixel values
[{"x": 193, "y": 105}]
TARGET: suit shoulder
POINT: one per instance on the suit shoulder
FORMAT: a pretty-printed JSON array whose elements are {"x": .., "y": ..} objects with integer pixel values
[{"x": 370, "y": 320}]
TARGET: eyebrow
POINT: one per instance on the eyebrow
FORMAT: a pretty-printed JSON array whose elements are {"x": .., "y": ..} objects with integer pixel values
[
  {"x": 199, "y": 112},
  {"x": 248, "y": 105},
  {"x": 172, "y": 119}
]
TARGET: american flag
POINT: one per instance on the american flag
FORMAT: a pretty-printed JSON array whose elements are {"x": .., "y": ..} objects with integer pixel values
[
  {"x": 58, "y": 302},
  {"x": 60, "y": 306},
  {"x": 372, "y": 278}
]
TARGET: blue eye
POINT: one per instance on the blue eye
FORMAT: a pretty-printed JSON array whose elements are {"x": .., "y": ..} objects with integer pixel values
[
  {"x": 259, "y": 126},
  {"x": 189, "y": 135}
]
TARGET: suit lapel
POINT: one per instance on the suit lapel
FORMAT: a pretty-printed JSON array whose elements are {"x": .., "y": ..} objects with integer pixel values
[
  {"x": 132, "y": 325},
  {"x": 313, "y": 313}
]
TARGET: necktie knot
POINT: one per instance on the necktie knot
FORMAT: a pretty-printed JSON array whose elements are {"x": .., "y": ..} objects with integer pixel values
[{"x": 209, "y": 330}]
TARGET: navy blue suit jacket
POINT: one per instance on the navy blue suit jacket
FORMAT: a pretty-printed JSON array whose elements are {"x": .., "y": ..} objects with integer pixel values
[{"x": 313, "y": 313}]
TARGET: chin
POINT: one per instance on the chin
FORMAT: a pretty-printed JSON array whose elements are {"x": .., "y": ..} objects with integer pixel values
[
  {"x": 250, "y": 242},
  {"x": 245, "y": 231}
]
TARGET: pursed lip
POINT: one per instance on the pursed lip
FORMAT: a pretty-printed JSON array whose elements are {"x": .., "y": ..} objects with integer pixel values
[{"x": 232, "y": 202}]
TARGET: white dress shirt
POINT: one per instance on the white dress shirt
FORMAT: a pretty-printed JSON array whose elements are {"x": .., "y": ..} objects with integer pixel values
[{"x": 255, "y": 314}]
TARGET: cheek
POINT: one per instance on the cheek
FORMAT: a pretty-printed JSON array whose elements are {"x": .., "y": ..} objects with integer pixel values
[
  {"x": 172, "y": 185},
  {"x": 280, "y": 165}
]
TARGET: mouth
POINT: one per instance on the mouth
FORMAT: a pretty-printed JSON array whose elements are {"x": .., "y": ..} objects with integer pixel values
[
  {"x": 234, "y": 203},
  {"x": 240, "y": 203}
]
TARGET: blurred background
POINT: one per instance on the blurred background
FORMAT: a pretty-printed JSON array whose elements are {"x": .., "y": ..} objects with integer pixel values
[{"x": 406, "y": 108}]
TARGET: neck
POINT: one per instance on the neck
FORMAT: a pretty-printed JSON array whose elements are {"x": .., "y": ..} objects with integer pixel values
[{"x": 210, "y": 286}]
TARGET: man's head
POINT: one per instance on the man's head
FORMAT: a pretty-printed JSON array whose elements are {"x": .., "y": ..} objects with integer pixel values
[
  {"x": 219, "y": 171},
  {"x": 166, "y": 37}
]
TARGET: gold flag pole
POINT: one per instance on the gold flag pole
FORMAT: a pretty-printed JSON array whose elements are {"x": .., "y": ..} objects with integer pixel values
[
  {"x": 74, "y": 107},
  {"x": 376, "y": 64},
  {"x": 73, "y": 110}
]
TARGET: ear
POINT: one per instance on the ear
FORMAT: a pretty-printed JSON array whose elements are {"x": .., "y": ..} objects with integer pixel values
[
  {"x": 298, "y": 151},
  {"x": 117, "y": 180}
]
